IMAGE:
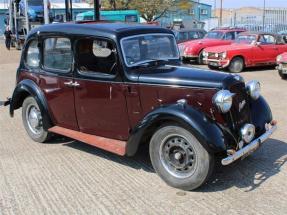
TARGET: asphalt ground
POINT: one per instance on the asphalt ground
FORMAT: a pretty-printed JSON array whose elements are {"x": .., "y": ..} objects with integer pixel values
[{"x": 69, "y": 177}]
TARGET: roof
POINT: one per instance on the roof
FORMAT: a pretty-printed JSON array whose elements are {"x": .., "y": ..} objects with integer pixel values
[
  {"x": 189, "y": 29},
  {"x": 107, "y": 29}
]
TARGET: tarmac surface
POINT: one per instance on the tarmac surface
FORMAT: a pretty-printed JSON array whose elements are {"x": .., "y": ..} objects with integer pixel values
[{"x": 69, "y": 177}]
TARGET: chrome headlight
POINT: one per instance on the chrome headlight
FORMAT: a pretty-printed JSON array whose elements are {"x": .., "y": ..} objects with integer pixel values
[
  {"x": 216, "y": 55},
  {"x": 247, "y": 133},
  {"x": 253, "y": 89},
  {"x": 223, "y": 100},
  {"x": 279, "y": 58},
  {"x": 224, "y": 55},
  {"x": 205, "y": 54}
]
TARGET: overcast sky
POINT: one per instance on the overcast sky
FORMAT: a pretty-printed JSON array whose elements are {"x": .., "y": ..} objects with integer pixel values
[{"x": 245, "y": 3}]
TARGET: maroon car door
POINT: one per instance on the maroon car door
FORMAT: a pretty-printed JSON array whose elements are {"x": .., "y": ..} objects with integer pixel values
[
  {"x": 99, "y": 94},
  {"x": 56, "y": 78}
]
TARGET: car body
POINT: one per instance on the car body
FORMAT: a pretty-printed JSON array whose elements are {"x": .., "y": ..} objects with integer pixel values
[
  {"x": 117, "y": 86},
  {"x": 250, "y": 49},
  {"x": 184, "y": 34},
  {"x": 192, "y": 50},
  {"x": 282, "y": 65}
]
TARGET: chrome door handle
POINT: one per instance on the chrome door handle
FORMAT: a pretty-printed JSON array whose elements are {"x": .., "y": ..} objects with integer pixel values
[
  {"x": 76, "y": 84},
  {"x": 69, "y": 83}
]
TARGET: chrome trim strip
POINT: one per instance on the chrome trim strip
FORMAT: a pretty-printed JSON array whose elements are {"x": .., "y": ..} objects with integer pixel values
[{"x": 250, "y": 148}]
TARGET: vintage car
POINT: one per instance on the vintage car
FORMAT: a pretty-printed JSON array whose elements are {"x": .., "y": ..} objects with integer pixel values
[
  {"x": 249, "y": 49},
  {"x": 117, "y": 86},
  {"x": 282, "y": 65},
  {"x": 185, "y": 34},
  {"x": 192, "y": 50}
]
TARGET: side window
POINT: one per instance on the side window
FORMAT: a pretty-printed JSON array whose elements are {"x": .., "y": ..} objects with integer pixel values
[
  {"x": 229, "y": 36},
  {"x": 58, "y": 54},
  {"x": 267, "y": 39},
  {"x": 95, "y": 57},
  {"x": 33, "y": 55}
]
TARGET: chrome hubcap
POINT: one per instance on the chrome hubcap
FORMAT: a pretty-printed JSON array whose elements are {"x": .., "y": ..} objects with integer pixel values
[
  {"x": 178, "y": 156},
  {"x": 34, "y": 119}
]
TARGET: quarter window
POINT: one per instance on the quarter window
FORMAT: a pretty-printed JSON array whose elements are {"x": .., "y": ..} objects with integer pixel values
[
  {"x": 58, "y": 54},
  {"x": 33, "y": 55}
]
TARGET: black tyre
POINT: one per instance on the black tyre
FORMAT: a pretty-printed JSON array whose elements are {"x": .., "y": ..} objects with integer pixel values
[
  {"x": 179, "y": 158},
  {"x": 236, "y": 65},
  {"x": 283, "y": 76},
  {"x": 185, "y": 60},
  {"x": 32, "y": 120},
  {"x": 200, "y": 58}
]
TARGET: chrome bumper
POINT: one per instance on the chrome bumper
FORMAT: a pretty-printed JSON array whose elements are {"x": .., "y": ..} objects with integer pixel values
[
  {"x": 251, "y": 147},
  {"x": 5, "y": 103}
]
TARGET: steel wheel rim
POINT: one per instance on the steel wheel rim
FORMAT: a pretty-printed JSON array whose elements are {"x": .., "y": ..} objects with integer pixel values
[
  {"x": 237, "y": 66},
  {"x": 34, "y": 119},
  {"x": 178, "y": 156}
]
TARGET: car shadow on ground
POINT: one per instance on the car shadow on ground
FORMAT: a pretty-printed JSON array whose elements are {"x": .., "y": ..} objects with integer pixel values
[
  {"x": 247, "y": 174},
  {"x": 250, "y": 173}
]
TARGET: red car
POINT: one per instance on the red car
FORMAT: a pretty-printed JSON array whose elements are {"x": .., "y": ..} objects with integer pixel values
[
  {"x": 282, "y": 65},
  {"x": 192, "y": 50},
  {"x": 250, "y": 49}
]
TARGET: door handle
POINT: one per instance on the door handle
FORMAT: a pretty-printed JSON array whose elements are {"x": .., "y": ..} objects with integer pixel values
[
  {"x": 69, "y": 83},
  {"x": 76, "y": 84}
]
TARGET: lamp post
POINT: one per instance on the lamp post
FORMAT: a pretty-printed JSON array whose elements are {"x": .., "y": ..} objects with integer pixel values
[
  {"x": 264, "y": 8},
  {"x": 97, "y": 9},
  {"x": 221, "y": 8}
]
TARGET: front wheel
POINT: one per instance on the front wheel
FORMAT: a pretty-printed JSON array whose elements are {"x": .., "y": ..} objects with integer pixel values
[
  {"x": 283, "y": 76},
  {"x": 179, "y": 158},
  {"x": 32, "y": 120},
  {"x": 236, "y": 65}
]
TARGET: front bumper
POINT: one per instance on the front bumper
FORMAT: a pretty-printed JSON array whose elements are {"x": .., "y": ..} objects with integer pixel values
[
  {"x": 251, "y": 147},
  {"x": 216, "y": 63}
]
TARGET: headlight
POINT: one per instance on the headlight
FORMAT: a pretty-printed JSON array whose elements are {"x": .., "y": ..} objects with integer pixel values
[
  {"x": 223, "y": 100},
  {"x": 224, "y": 55},
  {"x": 247, "y": 133},
  {"x": 279, "y": 58},
  {"x": 253, "y": 89},
  {"x": 216, "y": 55},
  {"x": 205, "y": 54}
]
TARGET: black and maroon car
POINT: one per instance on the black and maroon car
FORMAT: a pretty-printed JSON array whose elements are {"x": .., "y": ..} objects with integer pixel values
[{"x": 117, "y": 86}]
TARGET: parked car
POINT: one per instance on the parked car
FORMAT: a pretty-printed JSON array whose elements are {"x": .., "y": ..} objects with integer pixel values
[
  {"x": 192, "y": 50},
  {"x": 183, "y": 35},
  {"x": 282, "y": 65},
  {"x": 250, "y": 49},
  {"x": 117, "y": 86}
]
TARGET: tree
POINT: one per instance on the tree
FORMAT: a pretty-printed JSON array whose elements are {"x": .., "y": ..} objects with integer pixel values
[
  {"x": 116, "y": 4},
  {"x": 151, "y": 10}
]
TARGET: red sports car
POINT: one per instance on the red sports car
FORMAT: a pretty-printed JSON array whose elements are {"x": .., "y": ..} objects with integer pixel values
[
  {"x": 250, "y": 49},
  {"x": 282, "y": 65},
  {"x": 192, "y": 50}
]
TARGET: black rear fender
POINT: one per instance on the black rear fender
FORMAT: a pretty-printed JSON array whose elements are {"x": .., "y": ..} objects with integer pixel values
[{"x": 29, "y": 88}]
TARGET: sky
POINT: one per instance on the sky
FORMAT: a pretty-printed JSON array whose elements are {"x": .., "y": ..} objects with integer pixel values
[{"x": 247, "y": 3}]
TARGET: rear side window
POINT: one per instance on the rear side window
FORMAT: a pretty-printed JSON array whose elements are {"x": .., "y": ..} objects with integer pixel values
[
  {"x": 58, "y": 54},
  {"x": 33, "y": 55}
]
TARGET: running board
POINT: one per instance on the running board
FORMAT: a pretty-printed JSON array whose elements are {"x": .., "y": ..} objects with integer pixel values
[{"x": 115, "y": 146}]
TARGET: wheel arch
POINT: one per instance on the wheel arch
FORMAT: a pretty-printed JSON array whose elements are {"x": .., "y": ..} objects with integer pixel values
[
  {"x": 28, "y": 88},
  {"x": 206, "y": 131},
  {"x": 239, "y": 56}
]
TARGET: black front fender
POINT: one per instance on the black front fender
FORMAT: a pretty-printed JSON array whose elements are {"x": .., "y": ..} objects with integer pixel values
[
  {"x": 205, "y": 130},
  {"x": 260, "y": 115},
  {"x": 29, "y": 88}
]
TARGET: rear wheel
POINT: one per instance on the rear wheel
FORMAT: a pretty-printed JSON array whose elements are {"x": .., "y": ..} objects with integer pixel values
[
  {"x": 179, "y": 158},
  {"x": 32, "y": 120},
  {"x": 236, "y": 65}
]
